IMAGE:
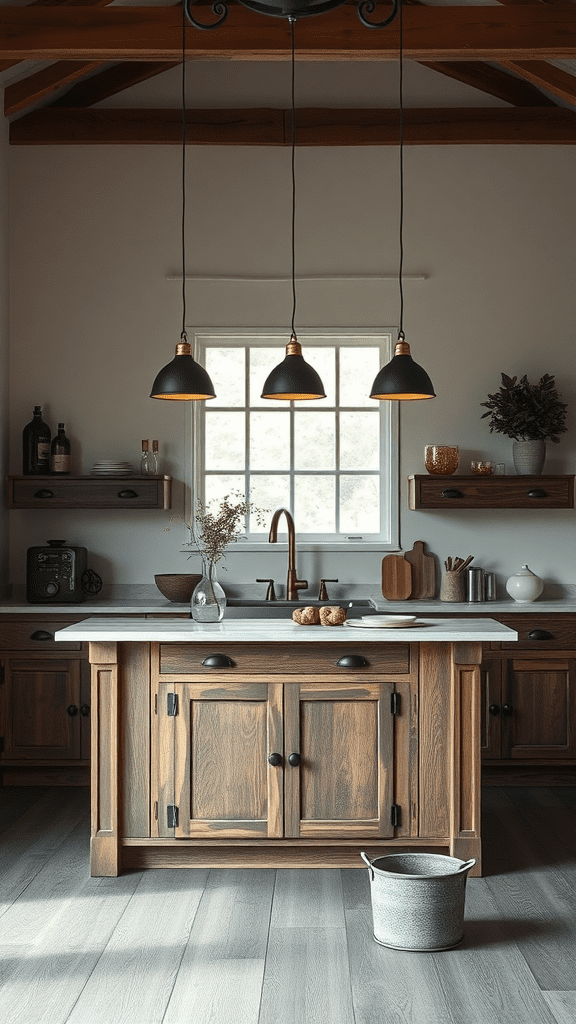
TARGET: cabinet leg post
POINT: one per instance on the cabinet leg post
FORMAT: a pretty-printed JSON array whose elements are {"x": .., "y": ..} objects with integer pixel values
[{"x": 105, "y": 836}]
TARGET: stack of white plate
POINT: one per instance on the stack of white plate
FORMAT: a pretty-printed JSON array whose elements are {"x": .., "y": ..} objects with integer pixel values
[{"x": 112, "y": 468}]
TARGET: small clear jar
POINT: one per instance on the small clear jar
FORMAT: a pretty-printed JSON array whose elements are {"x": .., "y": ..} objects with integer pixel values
[
  {"x": 441, "y": 459},
  {"x": 481, "y": 468}
]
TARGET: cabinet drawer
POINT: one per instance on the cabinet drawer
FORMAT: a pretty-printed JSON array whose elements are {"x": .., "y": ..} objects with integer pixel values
[
  {"x": 541, "y": 632},
  {"x": 35, "y": 635},
  {"x": 88, "y": 492},
  {"x": 284, "y": 659},
  {"x": 522, "y": 492}
]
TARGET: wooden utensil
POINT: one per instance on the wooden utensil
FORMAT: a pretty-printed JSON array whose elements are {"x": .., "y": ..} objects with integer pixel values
[
  {"x": 396, "y": 578},
  {"x": 423, "y": 571}
]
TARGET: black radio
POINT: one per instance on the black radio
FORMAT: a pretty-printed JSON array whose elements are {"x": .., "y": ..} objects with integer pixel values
[{"x": 54, "y": 574}]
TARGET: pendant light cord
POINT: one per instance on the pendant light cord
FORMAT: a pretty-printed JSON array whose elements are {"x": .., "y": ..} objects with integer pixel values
[
  {"x": 293, "y": 144},
  {"x": 401, "y": 127},
  {"x": 183, "y": 335}
]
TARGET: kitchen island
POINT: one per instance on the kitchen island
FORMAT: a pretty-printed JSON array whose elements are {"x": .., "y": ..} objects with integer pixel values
[{"x": 255, "y": 743}]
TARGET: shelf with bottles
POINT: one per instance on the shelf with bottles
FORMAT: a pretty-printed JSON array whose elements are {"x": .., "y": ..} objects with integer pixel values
[{"x": 62, "y": 491}]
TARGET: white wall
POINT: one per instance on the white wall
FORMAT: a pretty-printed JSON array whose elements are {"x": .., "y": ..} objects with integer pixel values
[{"x": 95, "y": 232}]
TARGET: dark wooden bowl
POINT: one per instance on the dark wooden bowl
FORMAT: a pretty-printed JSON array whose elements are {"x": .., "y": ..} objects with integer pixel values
[{"x": 177, "y": 587}]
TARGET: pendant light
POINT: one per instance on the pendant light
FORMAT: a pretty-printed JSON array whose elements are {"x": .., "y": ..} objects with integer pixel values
[
  {"x": 183, "y": 379},
  {"x": 291, "y": 9},
  {"x": 293, "y": 379},
  {"x": 402, "y": 379}
]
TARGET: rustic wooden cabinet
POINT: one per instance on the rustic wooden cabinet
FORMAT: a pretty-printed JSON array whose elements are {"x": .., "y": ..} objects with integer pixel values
[
  {"x": 490, "y": 492},
  {"x": 529, "y": 694},
  {"x": 137, "y": 492}
]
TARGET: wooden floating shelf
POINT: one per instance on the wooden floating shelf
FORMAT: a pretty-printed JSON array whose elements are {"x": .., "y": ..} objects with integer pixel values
[
  {"x": 490, "y": 492},
  {"x": 136, "y": 492}
]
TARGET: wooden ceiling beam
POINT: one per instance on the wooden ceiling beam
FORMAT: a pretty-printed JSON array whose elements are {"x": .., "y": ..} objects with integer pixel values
[
  {"x": 315, "y": 127},
  {"x": 518, "y": 32},
  {"x": 546, "y": 76},
  {"x": 114, "y": 80},
  {"x": 5, "y": 64},
  {"x": 44, "y": 83},
  {"x": 492, "y": 81}
]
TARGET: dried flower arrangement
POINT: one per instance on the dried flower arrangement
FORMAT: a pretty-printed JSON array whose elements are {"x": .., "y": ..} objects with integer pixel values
[
  {"x": 527, "y": 412},
  {"x": 212, "y": 531}
]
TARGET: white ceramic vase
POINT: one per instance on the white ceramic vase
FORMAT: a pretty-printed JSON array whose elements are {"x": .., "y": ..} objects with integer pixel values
[
  {"x": 524, "y": 585},
  {"x": 529, "y": 457}
]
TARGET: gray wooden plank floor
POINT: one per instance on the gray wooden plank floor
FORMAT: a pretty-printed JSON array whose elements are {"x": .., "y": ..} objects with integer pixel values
[{"x": 278, "y": 947}]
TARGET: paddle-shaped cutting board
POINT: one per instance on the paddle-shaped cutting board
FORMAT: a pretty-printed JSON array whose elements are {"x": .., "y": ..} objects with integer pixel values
[
  {"x": 396, "y": 578},
  {"x": 423, "y": 571}
]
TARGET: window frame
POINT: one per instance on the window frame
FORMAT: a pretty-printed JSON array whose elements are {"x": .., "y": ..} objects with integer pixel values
[{"x": 277, "y": 337}]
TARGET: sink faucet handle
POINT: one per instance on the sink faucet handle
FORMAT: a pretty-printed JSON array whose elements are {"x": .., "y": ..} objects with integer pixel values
[
  {"x": 323, "y": 593},
  {"x": 270, "y": 594}
]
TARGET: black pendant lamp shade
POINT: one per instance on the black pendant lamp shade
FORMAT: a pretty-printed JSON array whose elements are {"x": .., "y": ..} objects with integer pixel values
[
  {"x": 402, "y": 378},
  {"x": 183, "y": 379},
  {"x": 293, "y": 378}
]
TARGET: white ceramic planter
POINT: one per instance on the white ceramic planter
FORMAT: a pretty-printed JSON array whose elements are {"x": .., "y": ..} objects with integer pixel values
[{"x": 524, "y": 585}]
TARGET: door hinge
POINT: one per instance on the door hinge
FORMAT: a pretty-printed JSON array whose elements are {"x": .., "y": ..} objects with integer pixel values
[
  {"x": 171, "y": 816},
  {"x": 395, "y": 815},
  {"x": 171, "y": 704},
  {"x": 394, "y": 703},
  {"x": 155, "y": 810}
]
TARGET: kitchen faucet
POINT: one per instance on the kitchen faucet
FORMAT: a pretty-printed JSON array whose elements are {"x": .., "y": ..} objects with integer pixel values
[{"x": 293, "y": 584}]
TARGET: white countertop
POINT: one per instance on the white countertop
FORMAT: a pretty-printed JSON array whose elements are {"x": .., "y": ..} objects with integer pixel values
[{"x": 279, "y": 631}]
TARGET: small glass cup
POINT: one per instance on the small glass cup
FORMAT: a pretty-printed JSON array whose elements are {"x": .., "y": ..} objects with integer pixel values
[
  {"x": 441, "y": 459},
  {"x": 481, "y": 468},
  {"x": 500, "y": 469}
]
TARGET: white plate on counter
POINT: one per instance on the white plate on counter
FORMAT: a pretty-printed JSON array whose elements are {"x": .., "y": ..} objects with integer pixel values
[{"x": 383, "y": 621}]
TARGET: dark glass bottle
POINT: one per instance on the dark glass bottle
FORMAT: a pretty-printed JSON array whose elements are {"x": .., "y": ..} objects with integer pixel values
[
  {"x": 60, "y": 456},
  {"x": 36, "y": 445}
]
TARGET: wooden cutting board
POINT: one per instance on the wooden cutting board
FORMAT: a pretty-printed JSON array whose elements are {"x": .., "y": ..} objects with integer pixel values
[
  {"x": 423, "y": 571},
  {"x": 396, "y": 578}
]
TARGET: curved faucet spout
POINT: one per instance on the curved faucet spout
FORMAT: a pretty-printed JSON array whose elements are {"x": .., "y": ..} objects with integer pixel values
[{"x": 293, "y": 584}]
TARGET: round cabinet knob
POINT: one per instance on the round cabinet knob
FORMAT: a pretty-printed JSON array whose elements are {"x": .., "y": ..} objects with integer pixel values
[
  {"x": 274, "y": 760},
  {"x": 494, "y": 709},
  {"x": 294, "y": 760},
  {"x": 72, "y": 710},
  {"x": 85, "y": 710},
  {"x": 507, "y": 709}
]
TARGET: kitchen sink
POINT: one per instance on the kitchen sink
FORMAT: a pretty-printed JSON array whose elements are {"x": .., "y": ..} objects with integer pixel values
[{"x": 241, "y": 608}]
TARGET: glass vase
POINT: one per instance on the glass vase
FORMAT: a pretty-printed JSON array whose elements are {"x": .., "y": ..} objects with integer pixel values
[{"x": 208, "y": 601}]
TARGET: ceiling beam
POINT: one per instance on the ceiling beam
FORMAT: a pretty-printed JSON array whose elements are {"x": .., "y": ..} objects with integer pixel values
[
  {"x": 44, "y": 83},
  {"x": 315, "y": 127},
  {"x": 114, "y": 80},
  {"x": 5, "y": 64},
  {"x": 492, "y": 81},
  {"x": 545, "y": 76},
  {"x": 532, "y": 32}
]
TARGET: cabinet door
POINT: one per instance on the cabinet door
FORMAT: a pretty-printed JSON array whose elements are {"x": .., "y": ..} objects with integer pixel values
[
  {"x": 490, "y": 708},
  {"x": 41, "y": 710},
  {"x": 538, "y": 715},
  {"x": 343, "y": 738},
  {"x": 223, "y": 734}
]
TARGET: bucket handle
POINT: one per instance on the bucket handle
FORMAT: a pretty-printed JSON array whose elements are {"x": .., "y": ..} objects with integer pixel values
[
  {"x": 370, "y": 868},
  {"x": 466, "y": 867}
]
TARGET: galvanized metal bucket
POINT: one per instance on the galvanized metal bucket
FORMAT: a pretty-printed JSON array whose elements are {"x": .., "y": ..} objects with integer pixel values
[{"x": 418, "y": 900}]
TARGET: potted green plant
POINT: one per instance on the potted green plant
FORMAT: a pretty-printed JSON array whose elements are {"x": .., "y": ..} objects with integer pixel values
[{"x": 530, "y": 414}]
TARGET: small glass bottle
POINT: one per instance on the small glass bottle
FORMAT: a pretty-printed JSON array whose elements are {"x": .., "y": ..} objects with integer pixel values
[
  {"x": 60, "y": 453},
  {"x": 145, "y": 459},
  {"x": 153, "y": 459},
  {"x": 36, "y": 445}
]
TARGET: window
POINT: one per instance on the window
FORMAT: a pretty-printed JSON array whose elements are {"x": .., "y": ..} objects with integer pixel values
[{"x": 332, "y": 462}]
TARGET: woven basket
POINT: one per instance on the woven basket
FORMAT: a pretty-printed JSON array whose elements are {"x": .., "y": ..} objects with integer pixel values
[{"x": 177, "y": 587}]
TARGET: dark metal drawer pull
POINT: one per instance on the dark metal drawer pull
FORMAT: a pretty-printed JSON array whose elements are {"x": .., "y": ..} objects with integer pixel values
[
  {"x": 274, "y": 760},
  {"x": 540, "y": 634},
  {"x": 127, "y": 494},
  {"x": 294, "y": 760},
  {"x": 507, "y": 709},
  {"x": 44, "y": 493},
  {"x": 72, "y": 710},
  {"x": 218, "y": 661},
  {"x": 537, "y": 492},
  {"x": 494, "y": 709},
  {"x": 451, "y": 492},
  {"x": 85, "y": 710},
  {"x": 351, "y": 661},
  {"x": 42, "y": 634}
]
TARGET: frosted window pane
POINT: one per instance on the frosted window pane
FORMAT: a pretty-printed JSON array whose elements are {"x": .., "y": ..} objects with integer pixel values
[
  {"x": 221, "y": 485},
  {"x": 359, "y": 504},
  {"x": 314, "y": 504},
  {"x": 270, "y": 440},
  {"x": 360, "y": 440},
  {"x": 314, "y": 440},
  {"x": 270, "y": 492},
  {"x": 358, "y": 368},
  {"x": 262, "y": 362},
  {"x": 323, "y": 359},
  {"x": 227, "y": 370},
  {"x": 225, "y": 440}
]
